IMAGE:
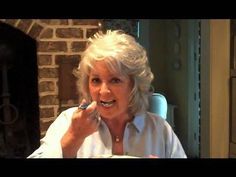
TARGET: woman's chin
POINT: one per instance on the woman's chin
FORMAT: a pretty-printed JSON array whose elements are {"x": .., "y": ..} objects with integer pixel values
[
  {"x": 106, "y": 116},
  {"x": 106, "y": 111}
]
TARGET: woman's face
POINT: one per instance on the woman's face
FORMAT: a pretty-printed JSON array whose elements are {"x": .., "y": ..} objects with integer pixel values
[{"x": 111, "y": 91}]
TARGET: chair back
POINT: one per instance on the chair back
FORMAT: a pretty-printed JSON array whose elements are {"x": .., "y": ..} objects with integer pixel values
[{"x": 158, "y": 105}]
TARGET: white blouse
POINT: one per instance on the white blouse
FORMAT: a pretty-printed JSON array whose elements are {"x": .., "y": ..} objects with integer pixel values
[{"x": 147, "y": 135}]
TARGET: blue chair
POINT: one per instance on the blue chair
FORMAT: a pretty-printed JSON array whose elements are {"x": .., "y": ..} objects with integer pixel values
[{"x": 158, "y": 105}]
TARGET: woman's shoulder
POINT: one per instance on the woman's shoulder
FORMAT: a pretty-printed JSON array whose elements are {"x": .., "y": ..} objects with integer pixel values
[
  {"x": 68, "y": 112},
  {"x": 158, "y": 120},
  {"x": 155, "y": 117}
]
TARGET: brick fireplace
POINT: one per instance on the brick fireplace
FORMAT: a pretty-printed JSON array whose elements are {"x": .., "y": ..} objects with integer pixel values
[{"x": 59, "y": 46}]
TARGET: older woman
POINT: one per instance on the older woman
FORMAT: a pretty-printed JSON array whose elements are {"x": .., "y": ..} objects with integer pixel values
[{"x": 114, "y": 80}]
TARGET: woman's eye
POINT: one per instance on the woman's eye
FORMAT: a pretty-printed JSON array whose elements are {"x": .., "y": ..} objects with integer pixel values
[
  {"x": 95, "y": 80},
  {"x": 115, "y": 80}
]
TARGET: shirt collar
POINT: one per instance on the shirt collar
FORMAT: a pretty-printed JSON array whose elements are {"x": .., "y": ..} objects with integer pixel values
[{"x": 138, "y": 122}]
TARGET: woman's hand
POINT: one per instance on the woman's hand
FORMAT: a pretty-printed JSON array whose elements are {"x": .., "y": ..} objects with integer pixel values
[{"x": 84, "y": 122}]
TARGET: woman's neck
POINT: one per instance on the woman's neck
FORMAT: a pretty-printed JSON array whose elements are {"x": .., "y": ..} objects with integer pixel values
[
  {"x": 116, "y": 127},
  {"x": 118, "y": 122}
]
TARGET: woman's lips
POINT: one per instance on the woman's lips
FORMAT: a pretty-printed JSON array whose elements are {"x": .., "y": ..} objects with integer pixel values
[{"x": 107, "y": 104}]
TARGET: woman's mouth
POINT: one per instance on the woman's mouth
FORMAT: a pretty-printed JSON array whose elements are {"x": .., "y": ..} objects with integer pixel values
[{"x": 107, "y": 103}]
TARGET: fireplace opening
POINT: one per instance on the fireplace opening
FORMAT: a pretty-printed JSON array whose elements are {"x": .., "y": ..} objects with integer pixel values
[{"x": 19, "y": 102}]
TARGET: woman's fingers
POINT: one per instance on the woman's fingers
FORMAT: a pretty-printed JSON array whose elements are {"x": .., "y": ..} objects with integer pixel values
[
  {"x": 87, "y": 112},
  {"x": 91, "y": 107},
  {"x": 84, "y": 121},
  {"x": 83, "y": 105}
]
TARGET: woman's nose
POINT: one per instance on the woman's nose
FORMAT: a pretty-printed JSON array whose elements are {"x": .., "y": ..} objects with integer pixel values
[{"x": 104, "y": 89}]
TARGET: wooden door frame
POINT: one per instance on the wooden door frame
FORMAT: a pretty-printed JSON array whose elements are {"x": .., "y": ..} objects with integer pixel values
[{"x": 215, "y": 75}]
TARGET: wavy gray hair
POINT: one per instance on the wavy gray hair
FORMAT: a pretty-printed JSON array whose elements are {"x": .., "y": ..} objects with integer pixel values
[{"x": 122, "y": 55}]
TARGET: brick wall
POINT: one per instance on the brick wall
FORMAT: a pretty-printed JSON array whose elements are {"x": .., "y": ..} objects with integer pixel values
[{"x": 56, "y": 39}]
